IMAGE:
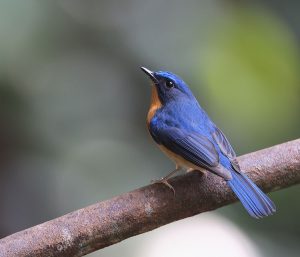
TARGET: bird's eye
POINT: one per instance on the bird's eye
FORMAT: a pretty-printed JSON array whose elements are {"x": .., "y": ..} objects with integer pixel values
[{"x": 170, "y": 83}]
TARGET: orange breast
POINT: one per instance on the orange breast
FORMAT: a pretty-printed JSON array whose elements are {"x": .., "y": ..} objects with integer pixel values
[{"x": 155, "y": 104}]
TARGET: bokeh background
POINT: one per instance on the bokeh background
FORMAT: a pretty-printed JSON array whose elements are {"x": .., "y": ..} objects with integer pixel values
[{"x": 73, "y": 104}]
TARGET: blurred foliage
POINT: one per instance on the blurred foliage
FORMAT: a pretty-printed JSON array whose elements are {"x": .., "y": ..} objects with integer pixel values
[
  {"x": 251, "y": 70},
  {"x": 73, "y": 101}
]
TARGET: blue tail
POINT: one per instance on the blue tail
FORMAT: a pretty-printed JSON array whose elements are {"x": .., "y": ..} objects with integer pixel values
[{"x": 257, "y": 204}]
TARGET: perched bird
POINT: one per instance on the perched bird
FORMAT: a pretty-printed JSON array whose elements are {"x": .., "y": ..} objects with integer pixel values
[{"x": 186, "y": 134}]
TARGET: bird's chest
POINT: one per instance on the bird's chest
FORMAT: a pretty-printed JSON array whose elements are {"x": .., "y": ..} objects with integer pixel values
[{"x": 155, "y": 105}]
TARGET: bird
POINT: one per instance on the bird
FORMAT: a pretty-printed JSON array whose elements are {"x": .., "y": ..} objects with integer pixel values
[{"x": 186, "y": 134}]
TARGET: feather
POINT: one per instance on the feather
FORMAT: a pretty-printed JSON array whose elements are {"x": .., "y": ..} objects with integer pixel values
[
  {"x": 225, "y": 147},
  {"x": 191, "y": 146},
  {"x": 257, "y": 203}
]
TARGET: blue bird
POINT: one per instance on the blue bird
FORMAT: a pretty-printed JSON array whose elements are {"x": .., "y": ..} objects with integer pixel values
[{"x": 186, "y": 134}]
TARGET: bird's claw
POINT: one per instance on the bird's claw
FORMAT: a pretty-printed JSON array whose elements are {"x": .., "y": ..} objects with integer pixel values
[{"x": 165, "y": 182}]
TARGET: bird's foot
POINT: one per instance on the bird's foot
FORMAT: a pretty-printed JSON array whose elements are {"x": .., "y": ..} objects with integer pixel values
[
  {"x": 202, "y": 171},
  {"x": 190, "y": 170},
  {"x": 165, "y": 182}
]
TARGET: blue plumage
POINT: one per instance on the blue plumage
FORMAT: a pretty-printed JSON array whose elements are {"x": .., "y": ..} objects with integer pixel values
[
  {"x": 187, "y": 135},
  {"x": 257, "y": 204}
]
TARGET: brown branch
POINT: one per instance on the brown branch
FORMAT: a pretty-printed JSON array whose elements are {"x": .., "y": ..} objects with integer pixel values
[{"x": 109, "y": 222}]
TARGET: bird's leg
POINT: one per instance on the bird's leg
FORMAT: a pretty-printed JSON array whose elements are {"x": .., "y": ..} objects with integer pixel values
[
  {"x": 190, "y": 170},
  {"x": 203, "y": 171},
  {"x": 164, "y": 180}
]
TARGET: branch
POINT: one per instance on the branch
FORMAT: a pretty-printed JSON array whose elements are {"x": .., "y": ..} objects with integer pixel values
[{"x": 109, "y": 222}]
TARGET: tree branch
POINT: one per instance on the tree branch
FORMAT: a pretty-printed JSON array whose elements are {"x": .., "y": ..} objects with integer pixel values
[{"x": 109, "y": 222}]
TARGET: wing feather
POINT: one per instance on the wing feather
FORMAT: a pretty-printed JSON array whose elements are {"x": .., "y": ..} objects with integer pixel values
[
  {"x": 193, "y": 147},
  {"x": 226, "y": 148}
]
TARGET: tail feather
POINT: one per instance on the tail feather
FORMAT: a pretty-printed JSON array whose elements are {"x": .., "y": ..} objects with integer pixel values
[{"x": 256, "y": 203}]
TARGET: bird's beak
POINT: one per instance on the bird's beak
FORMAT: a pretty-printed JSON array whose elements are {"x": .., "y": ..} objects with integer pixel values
[{"x": 150, "y": 74}]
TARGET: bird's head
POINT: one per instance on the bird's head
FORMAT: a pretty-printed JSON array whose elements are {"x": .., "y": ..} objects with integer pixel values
[{"x": 169, "y": 87}]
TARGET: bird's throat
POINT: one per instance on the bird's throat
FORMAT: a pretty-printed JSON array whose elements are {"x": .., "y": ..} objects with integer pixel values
[{"x": 155, "y": 104}]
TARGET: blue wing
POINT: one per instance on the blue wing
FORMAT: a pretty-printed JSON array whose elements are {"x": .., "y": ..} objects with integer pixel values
[
  {"x": 192, "y": 146},
  {"x": 225, "y": 147}
]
